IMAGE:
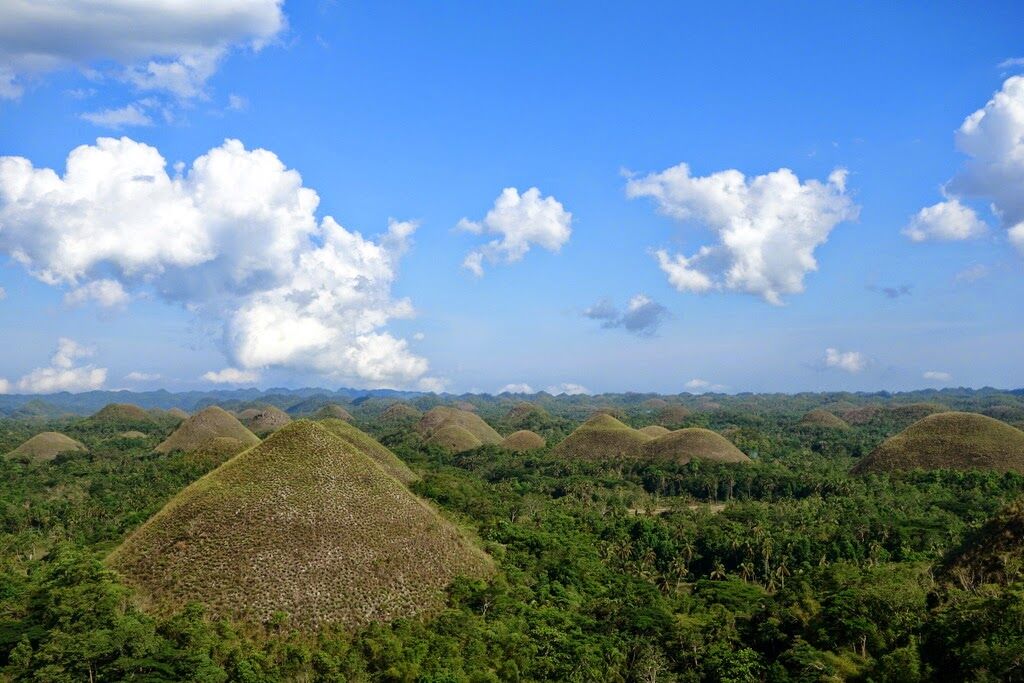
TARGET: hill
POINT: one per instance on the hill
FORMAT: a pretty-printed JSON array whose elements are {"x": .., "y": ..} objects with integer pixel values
[
  {"x": 303, "y": 524},
  {"x": 45, "y": 446},
  {"x": 400, "y": 412},
  {"x": 673, "y": 415},
  {"x": 602, "y": 436},
  {"x": 369, "y": 447},
  {"x": 444, "y": 416},
  {"x": 522, "y": 441},
  {"x": 332, "y": 411},
  {"x": 454, "y": 438},
  {"x": 121, "y": 413},
  {"x": 210, "y": 429},
  {"x": 992, "y": 554},
  {"x": 263, "y": 421},
  {"x": 822, "y": 418},
  {"x": 178, "y": 413},
  {"x": 950, "y": 440},
  {"x": 654, "y": 431},
  {"x": 694, "y": 443}
]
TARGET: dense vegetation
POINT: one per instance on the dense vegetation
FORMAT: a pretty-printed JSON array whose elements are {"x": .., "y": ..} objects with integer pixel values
[{"x": 784, "y": 569}]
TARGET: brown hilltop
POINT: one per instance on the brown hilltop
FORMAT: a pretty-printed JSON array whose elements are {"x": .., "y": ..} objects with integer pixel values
[
  {"x": 601, "y": 437},
  {"x": 210, "y": 429},
  {"x": 685, "y": 445},
  {"x": 333, "y": 411},
  {"x": 46, "y": 446},
  {"x": 444, "y": 416},
  {"x": 304, "y": 524},
  {"x": 400, "y": 412},
  {"x": 370, "y": 447},
  {"x": 673, "y": 415},
  {"x": 454, "y": 438},
  {"x": 950, "y": 440},
  {"x": 654, "y": 431},
  {"x": 822, "y": 418},
  {"x": 121, "y": 412},
  {"x": 263, "y": 421},
  {"x": 522, "y": 441}
]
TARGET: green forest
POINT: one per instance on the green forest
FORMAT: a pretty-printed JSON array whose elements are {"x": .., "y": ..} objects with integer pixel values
[{"x": 785, "y": 568}]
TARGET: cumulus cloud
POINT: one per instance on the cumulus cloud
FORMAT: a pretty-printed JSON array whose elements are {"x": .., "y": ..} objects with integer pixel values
[
  {"x": 63, "y": 373},
  {"x": 234, "y": 237},
  {"x": 937, "y": 376},
  {"x": 519, "y": 221},
  {"x": 993, "y": 140},
  {"x": 847, "y": 361},
  {"x": 971, "y": 274},
  {"x": 516, "y": 389},
  {"x": 123, "y": 117},
  {"x": 173, "y": 46},
  {"x": 697, "y": 384},
  {"x": 946, "y": 221},
  {"x": 230, "y": 376},
  {"x": 567, "y": 388},
  {"x": 767, "y": 227},
  {"x": 106, "y": 293},
  {"x": 642, "y": 316},
  {"x": 136, "y": 376}
]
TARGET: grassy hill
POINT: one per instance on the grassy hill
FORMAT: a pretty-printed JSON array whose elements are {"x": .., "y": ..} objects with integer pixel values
[
  {"x": 603, "y": 436},
  {"x": 444, "y": 416},
  {"x": 45, "y": 446},
  {"x": 400, "y": 412},
  {"x": 522, "y": 441},
  {"x": 212, "y": 429},
  {"x": 992, "y": 554},
  {"x": 303, "y": 524},
  {"x": 950, "y": 440},
  {"x": 332, "y": 411},
  {"x": 368, "y": 446},
  {"x": 672, "y": 415},
  {"x": 824, "y": 419},
  {"x": 654, "y": 431},
  {"x": 121, "y": 413},
  {"x": 263, "y": 421},
  {"x": 694, "y": 443},
  {"x": 454, "y": 438}
]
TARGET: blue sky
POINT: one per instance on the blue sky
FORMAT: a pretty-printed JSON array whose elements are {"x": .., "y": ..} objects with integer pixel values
[{"x": 425, "y": 113}]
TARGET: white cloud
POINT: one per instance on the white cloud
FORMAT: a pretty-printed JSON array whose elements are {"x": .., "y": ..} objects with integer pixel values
[
  {"x": 642, "y": 316},
  {"x": 142, "y": 376},
  {"x": 237, "y": 102},
  {"x": 948, "y": 221},
  {"x": 567, "y": 388},
  {"x": 767, "y": 227},
  {"x": 697, "y": 384},
  {"x": 3, "y": 293},
  {"x": 235, "y": 237},
  {"x": 173, "y": 45},
  {"x": 432, "y": 384},
  {"x": 5, "y": 386},
  {"x": 520, "y": 221},
  {"x": 937, "y": 376},
  {"x": 848, "y": 361},
  {"x": 522, "y": 388},
  {"x": 419, "y": 336},
  {"x": 106, "y": 293},
  {"x": 993, "y": 139},
  {"x": 1011, "y": 62},
  {"x": 129, "y": 115},
  {"x": 972, "y": 273},
  {"x": 63, "y": 374},
  {"x": 230, "y": 376}
]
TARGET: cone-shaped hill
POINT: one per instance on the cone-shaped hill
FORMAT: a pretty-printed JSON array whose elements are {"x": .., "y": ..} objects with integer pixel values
[
  {"x": 263, "y": 421},
  {"x": 443, "y": 416},
  {"x": 332, "y": 411},
  {"x": 654, "y": 431},
  {"x": 524, "y": 412},
  {"x": 822, "y": 418},
  {"x": 400, "y": 412},
  {"x": 694, "y": 443},
  {"x": 454, "y": 438},
  {"x": 992, "y": 554},
  {"x": 178, "y": 413},
  {"x": 959, "y": 441},
  {"x": 673, "y": 415},
  {"x": 212, "y": 430},
  {"x": 369, "y": 446},
  {"x": 45, "y": 446},
  {"x": 522, "y": 441},
  {"x": 602, "y": 436},
  {"x": 121, "y": 413},
  {"x": 303, "y": 524}
]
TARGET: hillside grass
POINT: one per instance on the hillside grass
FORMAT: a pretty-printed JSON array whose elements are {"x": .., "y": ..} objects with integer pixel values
[
  {"x": 212, "y": 428},
  {"x": 303, "y": 524},
  {"x": 45, "y": 447}
]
